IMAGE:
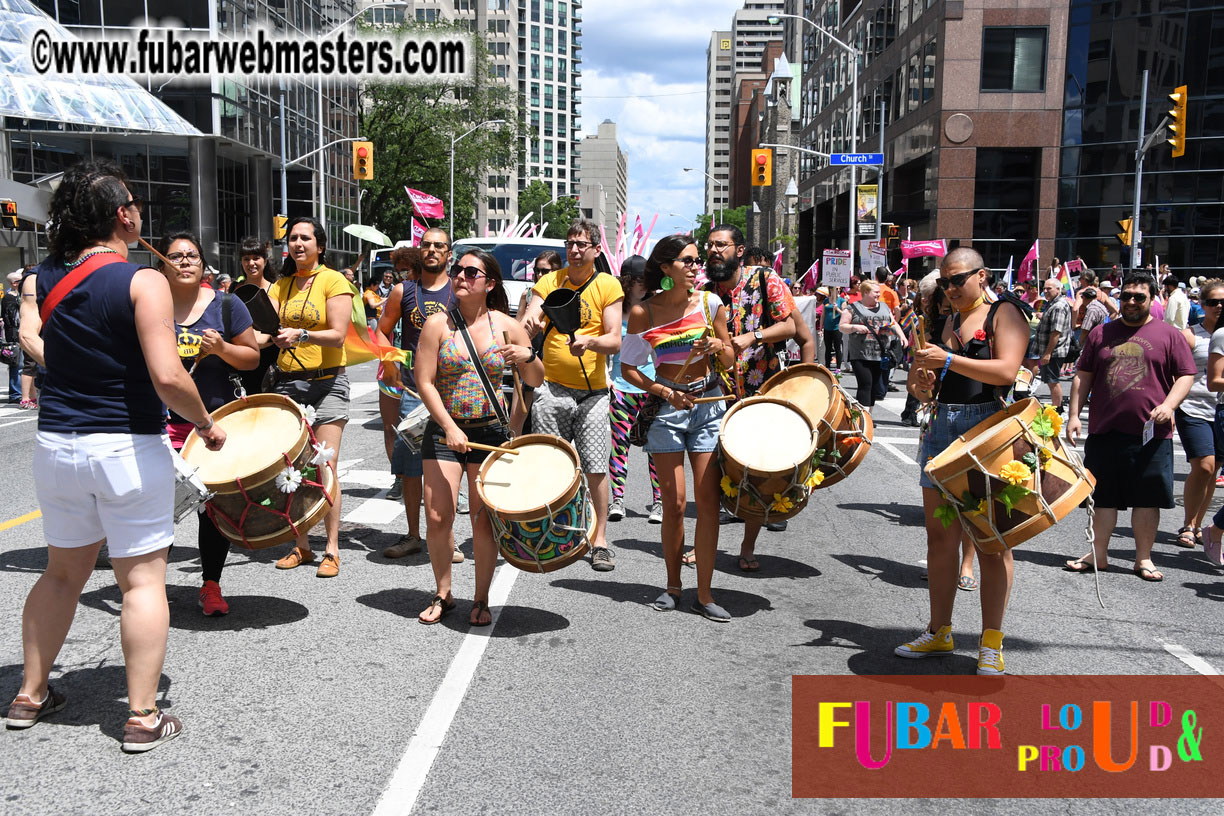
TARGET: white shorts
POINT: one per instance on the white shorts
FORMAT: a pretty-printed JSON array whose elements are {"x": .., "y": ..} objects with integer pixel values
[{"x": 113, "y": 486}]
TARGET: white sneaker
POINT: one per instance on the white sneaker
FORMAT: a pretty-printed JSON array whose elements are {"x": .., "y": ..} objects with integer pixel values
[
  {"x": 656, "y": 513},
  {"x": 616, "y": 510},
  {"x": 462, "y": 505}
]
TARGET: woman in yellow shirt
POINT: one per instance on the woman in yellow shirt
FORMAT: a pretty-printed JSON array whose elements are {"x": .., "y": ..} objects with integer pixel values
[{"x": 315, "y": 305}]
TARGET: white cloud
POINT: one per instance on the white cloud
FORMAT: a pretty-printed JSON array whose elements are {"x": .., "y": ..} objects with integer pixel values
[{"x": 644, "y": 68}]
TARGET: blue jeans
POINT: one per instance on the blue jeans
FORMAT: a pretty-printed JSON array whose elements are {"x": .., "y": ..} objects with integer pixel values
[
  {"x": 403, "y": 461},
  {"x": 15, "y": 377}
]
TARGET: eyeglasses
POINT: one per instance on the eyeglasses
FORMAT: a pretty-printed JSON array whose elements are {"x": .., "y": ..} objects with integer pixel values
[
  {"x": 543, "y": 270},
  {"x": 1213, "y": 302},
  {"x": 136, "y": 202},
  {"x": 581, "y": 246},
  {"x": 1138, "y": 297},
  {"x": 469, "y": 272},
  {"x": 955, "y": 280},
  {"x": 718, "y": 245},
  {"x": 690, "y": 261},
  {"x": 435, "y": 245},
  {"x": 179, "y": 257}
]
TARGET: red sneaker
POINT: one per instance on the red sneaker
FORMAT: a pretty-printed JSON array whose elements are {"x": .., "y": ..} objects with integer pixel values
[{"x": 211, "y": 601}]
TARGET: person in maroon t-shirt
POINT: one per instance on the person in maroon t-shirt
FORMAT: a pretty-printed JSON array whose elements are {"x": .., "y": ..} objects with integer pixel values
[{"x": 1146, "y": 369}]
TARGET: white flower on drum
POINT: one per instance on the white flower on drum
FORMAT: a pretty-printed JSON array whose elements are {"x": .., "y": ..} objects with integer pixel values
[
  {"x": 310, "y": 413},
  {"x": 323, "y": 454},
  {"x": 288, "y": 480}
]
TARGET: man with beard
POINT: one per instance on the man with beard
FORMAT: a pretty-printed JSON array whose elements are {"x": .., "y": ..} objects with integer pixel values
[
  {"x": 1146, "y": 369},
  {"x": 761, "y": 317},
  {"x": 409, "y": 304}
]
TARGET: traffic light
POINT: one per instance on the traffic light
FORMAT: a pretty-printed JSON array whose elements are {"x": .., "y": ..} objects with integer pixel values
[
  {"x": 1127, "y": 233},
  {"x": 8, "y": 213},
  {"x": 1178, "y": 125},
  {"x": 762, "y": 167},
  {"x": 894, "y": 237},
  {"x": 280, "y": 221},
  {"x": 363, "y": 161}
]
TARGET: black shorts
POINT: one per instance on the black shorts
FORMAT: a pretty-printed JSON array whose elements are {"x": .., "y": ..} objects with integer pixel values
[
  {"x": 1051, "y": 372},
  {"x": 1130, "y": 474},
  {"x": 433, "y": 446}
]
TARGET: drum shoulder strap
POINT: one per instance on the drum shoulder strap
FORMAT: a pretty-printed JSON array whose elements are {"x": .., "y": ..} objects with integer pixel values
[
  {"x": 227, "y": 315},
  {"x": 577, "y": 293}
]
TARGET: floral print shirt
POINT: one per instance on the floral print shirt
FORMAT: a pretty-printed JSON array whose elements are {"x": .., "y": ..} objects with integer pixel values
[{"x": 745, "y": 308}]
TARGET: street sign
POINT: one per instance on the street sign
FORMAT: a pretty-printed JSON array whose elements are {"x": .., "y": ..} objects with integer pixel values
[{"x": 857, "y": 158}]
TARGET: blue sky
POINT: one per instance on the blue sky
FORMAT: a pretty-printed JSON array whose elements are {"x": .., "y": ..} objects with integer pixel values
[{"x": 644, "y": 68}]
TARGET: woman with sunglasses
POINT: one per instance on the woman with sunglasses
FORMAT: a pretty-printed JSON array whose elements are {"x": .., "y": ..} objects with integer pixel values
[
  {"x": 671, "y": 325},
  {"x": 460, "y": 411},
  {"x": 1196, "y": 419},
  {"x": 315, "y": 305},
  {"x": 980, "y": 350},
  {"x": 215, "y": 337},
  {"x": 867, "y": 324}
]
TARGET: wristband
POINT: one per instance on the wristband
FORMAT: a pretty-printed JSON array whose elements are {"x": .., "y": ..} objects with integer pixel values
[
  {"x": 205, "y": 427},
  {"x": 947, "y": 365},
  {"x": 533, "y": 356}
]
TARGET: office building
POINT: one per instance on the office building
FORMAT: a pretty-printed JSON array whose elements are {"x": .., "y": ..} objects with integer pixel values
[
  {"x": 605, "y": 178},
  {"x": 720, "y": 68}
]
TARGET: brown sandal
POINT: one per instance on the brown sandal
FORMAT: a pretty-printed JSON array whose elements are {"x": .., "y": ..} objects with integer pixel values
[
  {"x": 295, "y": 558},
  {"x": 480, "y": 608},
  {"x": 438, "y": 601}
]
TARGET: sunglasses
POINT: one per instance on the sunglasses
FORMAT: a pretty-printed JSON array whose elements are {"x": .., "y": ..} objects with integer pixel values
[
  {"x": 434, "y": 245},
  {"x": 691, "y": 261},
  {"x": 955, "y": 280},
  {"x": 469, "y": 272},
  {"x": 136, "y": 202},
  {"x": 1213, "y": 302},
  {"x": 1138, "y": 297}
]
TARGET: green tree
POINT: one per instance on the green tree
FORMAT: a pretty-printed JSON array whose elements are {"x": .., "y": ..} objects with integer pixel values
[
  {"x": 736, "y": 218},
  {"x": 411, "y": 126},
  {"x": 558, "y": 214}
]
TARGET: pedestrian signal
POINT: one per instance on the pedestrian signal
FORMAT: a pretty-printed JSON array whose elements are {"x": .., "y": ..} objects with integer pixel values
[
  {"x": 280, "y": 221},
  {"x": 1178, "y": 125},
  {"x": 1127, "y": 233},
  {"x": 762, "y": 167},
  {"x": 363, "y": 161},
  {"x": 8, "y": 213}
]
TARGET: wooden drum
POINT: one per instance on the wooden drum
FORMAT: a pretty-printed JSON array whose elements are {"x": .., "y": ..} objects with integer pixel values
[
  {"x": 989, "y": 463},
  {"x": 813, "y": 389},
  {"x": 270, "y": 481},
  {"x": 847, "y": 443},
  {"x": 766, "y": 450},
  {"x": 538, "y": 503}
]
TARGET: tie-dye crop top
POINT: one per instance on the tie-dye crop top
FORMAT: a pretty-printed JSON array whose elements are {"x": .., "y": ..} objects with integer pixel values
[{"x": 671, "y": 343}]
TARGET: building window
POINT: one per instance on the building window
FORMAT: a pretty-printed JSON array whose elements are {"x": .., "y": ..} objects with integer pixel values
[{"x": 1013, "y": 59}]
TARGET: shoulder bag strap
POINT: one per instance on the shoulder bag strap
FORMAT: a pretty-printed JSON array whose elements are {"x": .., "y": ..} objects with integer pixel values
[
  {"x": 865, "y": 316},
  {"x": 227, "y": 316},
  {"x": 490, "y": 393},
  {"x": 70, "y": 282}
]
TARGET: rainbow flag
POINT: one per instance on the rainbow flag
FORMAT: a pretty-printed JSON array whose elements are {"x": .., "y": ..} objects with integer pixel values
[{"x": 360, "y": 345}]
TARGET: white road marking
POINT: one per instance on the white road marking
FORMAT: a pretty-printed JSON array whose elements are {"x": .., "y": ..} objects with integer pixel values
[
  {"x": 896, "y": 440},
  {"x": 413, "y": 768},
  {"x": 382, "y": 479},
  {"x": 375, "y": 511},
  {"x": 358, "y": 390},
  {"x": 1190, "y": 659},
  {"x": 908, "y": 458},
  {"x": 18, "y": 421}
]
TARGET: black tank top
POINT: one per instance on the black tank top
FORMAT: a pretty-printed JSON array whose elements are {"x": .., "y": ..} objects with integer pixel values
[{"x": 958, "y": 389}]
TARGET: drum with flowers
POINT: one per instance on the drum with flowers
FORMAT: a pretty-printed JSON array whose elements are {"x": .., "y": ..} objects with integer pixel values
[
  {"x": 272, "y": 480},
  {"x": 1009, "y": 477},
  {"x": 766, "y": 450}
]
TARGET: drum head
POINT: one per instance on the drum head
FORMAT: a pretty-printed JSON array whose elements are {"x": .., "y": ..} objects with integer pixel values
[
  {"x": 541, "y": 474},
  {"x": 258, "y": 434},
  {"x": 809, "y": 387},
  {"x": 766, "y": 436}
]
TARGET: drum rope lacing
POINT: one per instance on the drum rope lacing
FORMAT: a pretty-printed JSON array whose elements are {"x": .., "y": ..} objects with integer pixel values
[
  {"x": 502, "y": 531},
  {"x": 239, "y": 526}
]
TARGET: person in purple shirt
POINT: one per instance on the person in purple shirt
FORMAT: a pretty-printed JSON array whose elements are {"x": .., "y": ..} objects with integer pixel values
[{"x": 1138, "y": 370}]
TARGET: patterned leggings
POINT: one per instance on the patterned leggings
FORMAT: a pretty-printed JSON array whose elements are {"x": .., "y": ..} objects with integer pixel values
[{"x": 624, "y": 409}]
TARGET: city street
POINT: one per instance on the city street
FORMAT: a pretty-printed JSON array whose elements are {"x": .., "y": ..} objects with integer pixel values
[{"x": 328, "y": 697}]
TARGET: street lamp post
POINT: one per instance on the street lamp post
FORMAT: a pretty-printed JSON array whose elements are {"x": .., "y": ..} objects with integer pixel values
[
  {"x": 451, "y": 201},
  {"x": 721, "y": 187},
  {"x": 557, "y": 197},
  {"x": 854, "y": 76}
]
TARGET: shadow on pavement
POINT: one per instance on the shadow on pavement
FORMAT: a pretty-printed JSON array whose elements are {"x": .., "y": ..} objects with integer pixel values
[
  {"x": 513, "y": 621},
  {"x": 97, "y": 696},
  {"x": 887, "y": 570},
  {"x": 246, "y": 612},
  {"x": 1212, "y": 592},
  {"x": 739, "y": 604},
  {"x": 875, "y": 649},
  {"x": 909, "y": 515}
]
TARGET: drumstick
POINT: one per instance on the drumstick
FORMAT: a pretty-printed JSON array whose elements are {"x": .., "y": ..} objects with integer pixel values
[
  {"x": 160, "y": 256},
  {"x": 692, "y": 353},
  {"x": 920, "y": 333},
  {"x": 518, "y": 386},
  {"x": 721, "y": 398},
  {"x": 492, "y": 448}
]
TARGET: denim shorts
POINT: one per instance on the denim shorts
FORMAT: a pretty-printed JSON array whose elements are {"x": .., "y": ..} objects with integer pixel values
[
  {"x": 694, "y": 430},
  {"x": 949, "y": 422},
  {"x": 403, "y": 461}
]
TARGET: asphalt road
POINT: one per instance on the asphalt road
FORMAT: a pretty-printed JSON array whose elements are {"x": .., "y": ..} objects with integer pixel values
[{"x": 327, "y": 697}]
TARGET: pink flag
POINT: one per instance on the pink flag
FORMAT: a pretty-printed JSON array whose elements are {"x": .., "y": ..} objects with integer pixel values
[
  {"x": 811, "y": 278},
  {"x": 778, "y": 260},
  {"x": 915, "y": 249},
  {"x": 1028, "y": 265},
  {"x": 418, "y": 232},
  {"x": 428, "y": 206}
]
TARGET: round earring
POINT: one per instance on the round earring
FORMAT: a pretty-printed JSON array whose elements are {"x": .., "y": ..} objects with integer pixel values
[{"x": 666, "y": 284}]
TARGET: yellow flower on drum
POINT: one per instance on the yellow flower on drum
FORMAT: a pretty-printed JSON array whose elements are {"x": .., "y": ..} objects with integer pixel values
[
  {"x": 727, "y": 487},
  {"x": 980, "y": 510},
  {"x": 1054, "y": 418},
  {"x": 814, "y": 481},
  {"x": 781, "y": 504},
  {"x": 1045, "y": 455},
  {"x": 1015, "y": 472}
]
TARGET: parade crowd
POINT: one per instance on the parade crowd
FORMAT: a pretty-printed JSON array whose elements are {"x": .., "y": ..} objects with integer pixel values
[{"x": 129, "y": 358}]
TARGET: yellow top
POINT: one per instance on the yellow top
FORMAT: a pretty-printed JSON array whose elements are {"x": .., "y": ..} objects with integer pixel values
[
  {"x": 307, "y": 309},
  {"x": 560, "y": 366}
]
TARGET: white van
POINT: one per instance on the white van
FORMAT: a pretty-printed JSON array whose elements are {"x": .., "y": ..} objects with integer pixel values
[{"x": 515, "y": 256}]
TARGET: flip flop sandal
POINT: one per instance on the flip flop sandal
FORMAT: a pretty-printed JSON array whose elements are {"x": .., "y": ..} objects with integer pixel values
[
  {"x": 689, "y": 559},
  {"x": 967, "y": 583},
  {"x": 478, "y": 609},
  {"x": 748, "y": 564},
  {"x": 439, "y": 601},
  {"x": 1149, "y": 574},
  {"x": 1186, "y": 538},
  {"x": 1082, "y": 566}
]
